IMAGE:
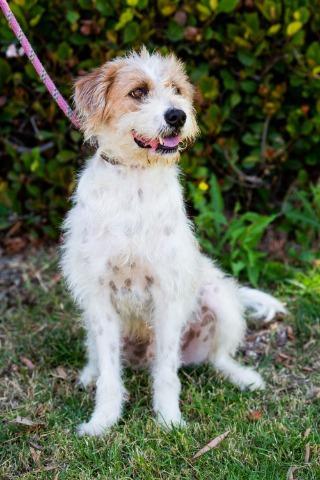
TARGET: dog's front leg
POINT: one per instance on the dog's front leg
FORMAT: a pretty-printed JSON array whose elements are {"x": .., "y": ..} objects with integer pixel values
[
  {"x": 168, "y": 322},
  {"x": 105, "y": 325}
]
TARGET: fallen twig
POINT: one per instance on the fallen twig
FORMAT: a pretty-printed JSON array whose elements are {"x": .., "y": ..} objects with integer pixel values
[
  {"x": 212, "y": 444},
  {"x": 290, "y": 473},
  {"x": 307, "y": 453}
]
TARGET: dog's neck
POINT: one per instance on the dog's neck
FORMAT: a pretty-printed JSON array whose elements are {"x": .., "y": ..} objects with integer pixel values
[{"x": 142, "y": 163}]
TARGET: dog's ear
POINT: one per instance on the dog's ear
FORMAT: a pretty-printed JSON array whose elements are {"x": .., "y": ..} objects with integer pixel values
[{"x": 91, "y": 96}]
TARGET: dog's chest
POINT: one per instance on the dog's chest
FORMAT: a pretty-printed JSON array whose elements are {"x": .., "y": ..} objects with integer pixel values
[{"x": 133, "y": 218}]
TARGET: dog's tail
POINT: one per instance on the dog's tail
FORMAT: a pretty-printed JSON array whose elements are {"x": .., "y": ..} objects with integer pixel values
[{"x": 261, "y": 306}]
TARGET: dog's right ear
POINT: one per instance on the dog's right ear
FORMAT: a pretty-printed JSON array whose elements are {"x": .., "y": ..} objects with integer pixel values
[{"x": 91, "y": 97}]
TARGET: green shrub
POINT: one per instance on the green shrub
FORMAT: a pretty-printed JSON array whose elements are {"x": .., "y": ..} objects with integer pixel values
[{"x": 256, "y": 66}]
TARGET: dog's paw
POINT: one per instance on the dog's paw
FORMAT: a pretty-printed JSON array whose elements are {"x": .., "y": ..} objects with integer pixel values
[
  {"x": 261, "y": 307},
  {"x": 92, "y": 429},
  {"x": 251, "y": 380},
  {"x": 87, "y": 376},
  {"x": 170, "y": 422}
]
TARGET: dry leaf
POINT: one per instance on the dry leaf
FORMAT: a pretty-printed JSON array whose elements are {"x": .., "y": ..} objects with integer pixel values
[
  {"x": 290, "y": 333},
  {"x": 14, "y": 229},
  {"x": 41, "y": 409},
  {"x": 307, "y": 433},
  {"x": 26, "y": 422},
  {"x": 212, "y": 444},
  {"x": 307, "y": 369},
  {"x": 47, "y": 468},
  {"x": 284, "y": 359},
  {"x": 14, "y": 245},
  {"x": 307, "y": 345},
  {"x": 35, "y": 454},
  {"x": 290, "y": 473},
  {"x": 56, "y": 278},
  {"x": 255, "y": 415},
  {"x": 35, "y": 445},
  {"x": 313, "y": 393},
  {"x": 307, "y": 453},
  {"x": 60, "y": 373},
  {"x": 28, "y": 363}
]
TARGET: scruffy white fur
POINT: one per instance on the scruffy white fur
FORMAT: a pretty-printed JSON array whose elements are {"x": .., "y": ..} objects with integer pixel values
[{"x": 130, "y": 256}]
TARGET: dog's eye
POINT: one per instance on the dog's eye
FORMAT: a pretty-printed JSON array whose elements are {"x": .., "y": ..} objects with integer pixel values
[
  {"x": 139, "y": 93},
  {"x": 176, "y": 89}
]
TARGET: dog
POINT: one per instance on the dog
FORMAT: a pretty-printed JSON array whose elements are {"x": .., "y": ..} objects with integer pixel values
[{"x": 148, "y": 296}]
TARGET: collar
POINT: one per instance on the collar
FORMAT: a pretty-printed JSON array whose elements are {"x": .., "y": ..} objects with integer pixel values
[{"x": 113, "y": 161}]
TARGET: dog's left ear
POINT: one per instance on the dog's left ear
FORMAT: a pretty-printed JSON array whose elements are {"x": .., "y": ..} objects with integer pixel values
[{"x": 91, "y": 96}]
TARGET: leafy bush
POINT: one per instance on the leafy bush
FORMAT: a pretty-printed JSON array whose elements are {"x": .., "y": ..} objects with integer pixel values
[{"x": 256, "y": 66}]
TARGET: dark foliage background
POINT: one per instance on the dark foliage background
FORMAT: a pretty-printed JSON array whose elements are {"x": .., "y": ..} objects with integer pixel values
[{"x": 251, "y": 178}]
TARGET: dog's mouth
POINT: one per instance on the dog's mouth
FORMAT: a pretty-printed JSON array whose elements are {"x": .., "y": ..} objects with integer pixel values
[{"x": 168, "y": 144}]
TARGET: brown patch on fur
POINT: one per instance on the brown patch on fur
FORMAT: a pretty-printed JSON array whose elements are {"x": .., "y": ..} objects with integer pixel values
[
  {"x": 140, "y": 350},
  {"x": 188, "y": 338},
  {"x": 127, "y": 282},
  {"x": 91, "y": 95},
  {"x": 113, "y": 286},
  {"x": 150, "y": 280},
  {"x": 208, "y": 318},
  {"x": 119, "y": 100}
]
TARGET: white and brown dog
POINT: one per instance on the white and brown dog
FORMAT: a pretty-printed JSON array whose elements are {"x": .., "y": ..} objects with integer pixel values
[{"x": 130, "y": 257}]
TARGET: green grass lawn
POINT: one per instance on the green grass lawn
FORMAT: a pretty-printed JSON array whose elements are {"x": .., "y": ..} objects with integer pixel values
[{"x": 42, "y": 350}]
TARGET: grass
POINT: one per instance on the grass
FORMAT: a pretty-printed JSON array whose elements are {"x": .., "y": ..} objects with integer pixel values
[{"x": 270, "y": 432}]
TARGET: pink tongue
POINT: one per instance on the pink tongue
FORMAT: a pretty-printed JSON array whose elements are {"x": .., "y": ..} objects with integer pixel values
[
  {"x": 153, "y": 143},
  {"x": 171, "y": 141}
]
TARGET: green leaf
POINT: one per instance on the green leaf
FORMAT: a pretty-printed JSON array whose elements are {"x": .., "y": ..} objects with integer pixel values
[
  {"x": 293, "y": 28},
  {"x": 209, "y": 87},
  {"x": 104, "y": 7},
  {"x": 246, "y": 58},
  {"x": 249, "y": 86},
  {"x": 72, "y": 16},
  {"x": 227, "y": 6},
  {"x": 131, "y": 32},
  {"x": 174, "y": 31},
  {"x": 313, "y": 52},
  {"x": 64, "y": 51},
  {"x": 215, "y": 193},
  {"x": 125, "y": 18}
]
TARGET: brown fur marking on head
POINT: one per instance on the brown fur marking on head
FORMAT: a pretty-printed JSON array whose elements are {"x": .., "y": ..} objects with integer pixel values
[{"x": 91, "y": 96}]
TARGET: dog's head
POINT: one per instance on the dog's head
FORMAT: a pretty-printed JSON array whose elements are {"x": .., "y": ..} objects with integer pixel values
[{"x": 138, "y": 107}]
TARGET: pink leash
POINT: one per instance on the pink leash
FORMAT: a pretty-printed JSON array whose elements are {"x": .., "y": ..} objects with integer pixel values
[{"x": 39, "y": 68}]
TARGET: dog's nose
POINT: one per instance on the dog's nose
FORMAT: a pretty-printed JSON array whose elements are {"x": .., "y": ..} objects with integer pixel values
[{"x": 175, "y": 117}]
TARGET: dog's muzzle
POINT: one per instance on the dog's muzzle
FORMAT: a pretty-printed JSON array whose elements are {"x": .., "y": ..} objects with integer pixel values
[{"x": 161, "y": 144}]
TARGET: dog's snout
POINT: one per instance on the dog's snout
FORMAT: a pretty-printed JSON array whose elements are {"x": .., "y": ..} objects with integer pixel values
[{"x": 175, "y": 117}]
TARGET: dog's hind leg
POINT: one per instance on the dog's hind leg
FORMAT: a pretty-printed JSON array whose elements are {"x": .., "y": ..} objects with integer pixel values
[{"x": 222, "y": 299}]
